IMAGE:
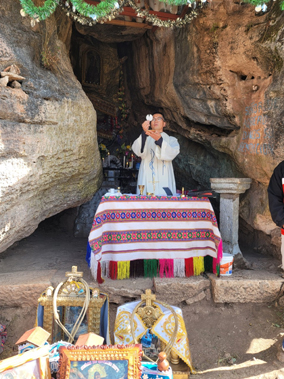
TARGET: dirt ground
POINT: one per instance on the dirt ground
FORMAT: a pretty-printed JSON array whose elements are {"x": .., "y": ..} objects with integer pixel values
[{"x": 226, "y": 340}]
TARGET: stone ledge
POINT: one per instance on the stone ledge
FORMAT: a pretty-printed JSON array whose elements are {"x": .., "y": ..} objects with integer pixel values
[
  {"x": 176, "y": 290},
  {"x": 22, "y": 289},
  {"x": 118, "y": 290},
  {"x": 246, "y": 286}
]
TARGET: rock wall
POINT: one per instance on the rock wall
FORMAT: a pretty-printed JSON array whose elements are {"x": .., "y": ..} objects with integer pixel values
[
  {"x": 219, "y": 83},
  {"x": 49, "y": 159}
]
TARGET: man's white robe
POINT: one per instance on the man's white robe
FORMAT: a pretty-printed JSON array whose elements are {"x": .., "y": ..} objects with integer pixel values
[{"x": 156, "y": 169}]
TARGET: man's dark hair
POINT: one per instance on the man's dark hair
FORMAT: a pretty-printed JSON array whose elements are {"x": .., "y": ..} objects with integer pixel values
[{"x": 155, "y": 111}]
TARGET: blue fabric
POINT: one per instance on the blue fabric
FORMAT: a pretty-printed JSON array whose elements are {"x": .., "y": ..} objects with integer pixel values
[
  {"x": 151, "y": 371},
  {"x": 40, "y": 312},
  {"x": 88, "y": 255}
]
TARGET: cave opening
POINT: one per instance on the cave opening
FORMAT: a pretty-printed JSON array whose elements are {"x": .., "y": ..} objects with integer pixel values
[
  {"x": 102, "y": 61},
  {"x": 98, "y": 55}
]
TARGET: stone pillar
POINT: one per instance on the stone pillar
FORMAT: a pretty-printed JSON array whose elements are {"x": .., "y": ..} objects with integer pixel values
[{"x": 230, "y": 189}]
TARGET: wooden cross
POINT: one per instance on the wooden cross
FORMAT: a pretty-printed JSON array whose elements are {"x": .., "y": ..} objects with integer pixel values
[{"x": 148, "y": 297}]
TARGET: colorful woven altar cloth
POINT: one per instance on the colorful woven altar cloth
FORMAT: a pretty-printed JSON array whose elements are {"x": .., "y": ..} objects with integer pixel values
[{"x": 128, "y": 228}]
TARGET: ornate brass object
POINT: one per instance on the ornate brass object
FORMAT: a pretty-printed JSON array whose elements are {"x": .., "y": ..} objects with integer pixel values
[
  {"x": 141, "y": 188},
  {"x": 74, "y": 273},
  {"x": 149, "y": 314},
  {"x": 122, "y": 361},
  {"x": 71, "y": 294}
]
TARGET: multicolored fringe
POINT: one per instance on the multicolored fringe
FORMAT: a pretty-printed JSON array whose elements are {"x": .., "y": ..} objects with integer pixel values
[
  {"x": 100, "y": 280},
  {"x": 198, "y": 264},
  {"x": 208, "y": 263},
  {"x": 150, "y": 268},
  {"x": 105, "y": 268},
  {"x": 137, "y": 268},
  {"x": 113, "y": 270},
  {"x": 189, "y": 269},
  {"x": 216, "y": 261},
  {"x": 179, "y": 268},
  {"x": 166, "y": 266},
  {"x": 123, "y": 269}
]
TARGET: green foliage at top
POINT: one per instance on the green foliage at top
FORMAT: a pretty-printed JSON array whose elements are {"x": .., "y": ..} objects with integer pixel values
[
  {"x": 40, "y": 13},
  {"x": 103, "y": 9}
]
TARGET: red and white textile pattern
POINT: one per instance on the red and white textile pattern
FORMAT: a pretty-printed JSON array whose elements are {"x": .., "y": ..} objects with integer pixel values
[{"x": 127, "y": 228}]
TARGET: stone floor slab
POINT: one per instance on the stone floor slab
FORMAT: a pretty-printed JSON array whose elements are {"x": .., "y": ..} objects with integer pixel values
[
  {"x": 23, "y": 288},
  {"x": 246, "y": 286},
  {"x": 177, "y": 290}
]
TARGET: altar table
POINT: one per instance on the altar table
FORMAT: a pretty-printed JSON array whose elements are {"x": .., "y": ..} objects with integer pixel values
[{"x": 130, "y": 227}]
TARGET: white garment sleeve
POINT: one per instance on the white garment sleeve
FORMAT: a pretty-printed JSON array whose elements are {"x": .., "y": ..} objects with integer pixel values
[
  {"x": 169, "y": 150},
  {"x": 136, "y": 147}
]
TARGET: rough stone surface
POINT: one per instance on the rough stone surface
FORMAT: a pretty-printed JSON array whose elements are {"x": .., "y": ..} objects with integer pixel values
[
  {"x": 22, "y": 289},
  {"x": 111, "y": 33},
  {"x": 207, "y": 93},
  {"x": 49, "y": 160},
  {"x": 85, "y": 217},
  {"x": 246, "y": 286},
  {"x": 176, "y": 290},
  {"x": 120, "y": 291},
  {"x": 218, "y": 81},
  {"x": 194, "y": 299}
]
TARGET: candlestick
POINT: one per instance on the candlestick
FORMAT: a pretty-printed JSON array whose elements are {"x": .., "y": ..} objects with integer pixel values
[{"x": 124, "y": 161}]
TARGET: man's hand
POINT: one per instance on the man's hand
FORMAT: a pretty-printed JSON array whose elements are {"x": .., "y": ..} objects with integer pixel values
[
  {"x": 145, "y": 126},
  {"x": 155, "y": 135}
]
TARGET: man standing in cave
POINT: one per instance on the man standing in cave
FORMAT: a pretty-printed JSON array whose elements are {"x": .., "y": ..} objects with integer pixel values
[
  {"x": 157, "y": 150},
  {"x": 276, "y": 204}
]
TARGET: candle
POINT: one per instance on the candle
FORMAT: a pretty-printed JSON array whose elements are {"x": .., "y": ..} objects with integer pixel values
[
  {"x": 124, "y": 161},
  {"x": 131, "y": 160},
  {"x": 108, "y": 160}
]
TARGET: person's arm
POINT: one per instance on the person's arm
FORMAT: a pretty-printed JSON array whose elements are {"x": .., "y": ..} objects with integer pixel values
[
  {"x": 169, "y": 149},
  {"x": 275, "y": 196},
  {"x": 144, "y": 136},
  {"x": 139, "y": 144},
  {"x": 159, "y": 142}
]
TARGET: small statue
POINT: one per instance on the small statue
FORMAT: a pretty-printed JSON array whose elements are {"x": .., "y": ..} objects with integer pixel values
[{"x": 163, "y": 363}]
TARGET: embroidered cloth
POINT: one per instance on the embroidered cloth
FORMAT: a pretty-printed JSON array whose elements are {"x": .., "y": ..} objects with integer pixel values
[
  {"x": 163, "y": 328},
  {"x": 128, "y": 228}
]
